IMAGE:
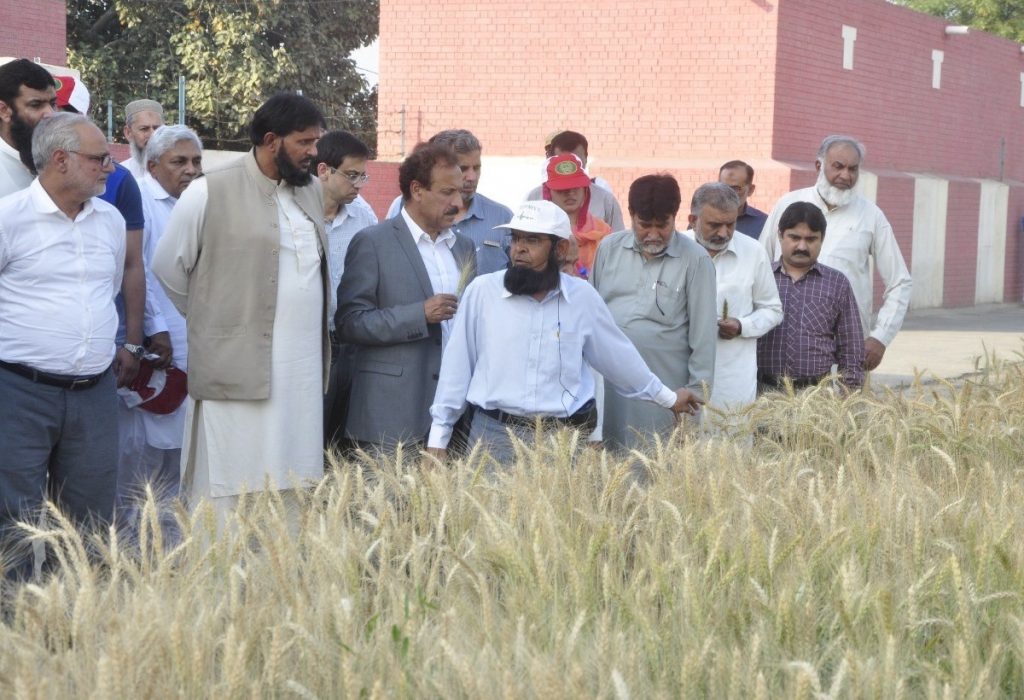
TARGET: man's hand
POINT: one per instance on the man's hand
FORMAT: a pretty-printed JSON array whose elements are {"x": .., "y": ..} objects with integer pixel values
[
  {"x": 729, "y": 328},
  {"x": 126, "y": 367},
  {"x": 440, "y": 307},
  {"x": 440, "y": 452},
  {"x": 160, "y": 344},
  {"x": 873, "y": 353},
  {"x": 686, "y": 402}
]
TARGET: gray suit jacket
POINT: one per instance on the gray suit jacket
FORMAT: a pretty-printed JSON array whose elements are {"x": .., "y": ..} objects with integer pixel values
[{"x": 380, "y": 311}]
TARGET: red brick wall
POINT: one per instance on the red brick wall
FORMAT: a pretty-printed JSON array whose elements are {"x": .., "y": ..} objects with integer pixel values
[
  {"x": 631, "y": 76},
  {"x": 382, "y": 187},
  {"x": 887, "y": 99},
  {"x": 34, "y": 29},
  {"x": 896, "y": 199}
]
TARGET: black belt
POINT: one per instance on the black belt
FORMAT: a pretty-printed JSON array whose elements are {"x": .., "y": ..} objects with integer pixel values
[
  {"x": 62, "y": 381},
  {"x": 778, "y": 382},
  {"x": 584, "y": 418}
]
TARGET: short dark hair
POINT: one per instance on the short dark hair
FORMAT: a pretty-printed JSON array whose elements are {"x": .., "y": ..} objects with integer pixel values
[
  {"x": 283, "y": 114},
  {"x": 419, "y": 165},
  {"x": 803, "y": 213},
  {"x": 20, "y": 72},
  {"x": 569, "y": 141},
  {"x": 335, "y": 146},
  {"x": 733, "y": 164},
  {"x": 654, "y": 197}
]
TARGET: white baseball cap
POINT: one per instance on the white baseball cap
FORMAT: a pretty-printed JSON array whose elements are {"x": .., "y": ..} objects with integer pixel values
[{"x": 540, "y": 216}]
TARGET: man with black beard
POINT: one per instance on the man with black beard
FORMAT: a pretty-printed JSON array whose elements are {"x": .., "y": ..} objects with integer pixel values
[
  {"x": 522, "y": 341},
  {"x": 242, "y": 258},
  {"x": 28, "y": 94},
  {"x": 858, "y": 233}
]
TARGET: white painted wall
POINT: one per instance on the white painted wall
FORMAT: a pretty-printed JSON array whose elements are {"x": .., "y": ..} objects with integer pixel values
[
  {"x": 931, "y": 196},
  {"x": 992, "y": 221}
]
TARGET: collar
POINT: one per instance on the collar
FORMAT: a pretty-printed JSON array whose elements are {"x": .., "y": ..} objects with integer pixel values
[
  {"x": 340, "y": 217},
  {"x": 156, "y": 190},
  {"x": 12, "y": 153},
  {"x": 673, "y": 250},
  {"x": 43, "y": 203},
  {"x": 475, "y": 210},
  {"x": 777, "y": 267},
  {"x": 447, "y": 236},
  {"x": 266, "y": 186}
]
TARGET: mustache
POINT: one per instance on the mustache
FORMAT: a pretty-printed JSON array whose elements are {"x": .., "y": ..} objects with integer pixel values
[{"x": 451, "y": 211}]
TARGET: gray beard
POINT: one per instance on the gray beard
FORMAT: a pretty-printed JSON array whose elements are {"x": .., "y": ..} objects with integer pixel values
[
  {"x": 832, "y": 195},
  {"x": 138, "y": 154}
]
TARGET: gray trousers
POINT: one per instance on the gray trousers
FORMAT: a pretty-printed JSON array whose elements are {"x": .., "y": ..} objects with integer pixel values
[
  {"x": 495, "y": 437},
  {"x": 55, "y": 444}
]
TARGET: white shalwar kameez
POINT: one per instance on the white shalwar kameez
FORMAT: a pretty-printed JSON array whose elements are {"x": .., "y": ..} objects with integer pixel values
[{"x": 239, "y": 446}]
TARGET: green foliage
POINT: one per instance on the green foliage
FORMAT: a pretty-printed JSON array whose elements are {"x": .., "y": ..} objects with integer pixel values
[
  {"x": 233, "y": 54},
  {"x": 1002, "y": 17}
]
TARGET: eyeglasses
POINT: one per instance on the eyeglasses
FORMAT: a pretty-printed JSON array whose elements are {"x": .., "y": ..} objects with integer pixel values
[
  {"x": 103, "y": 160},
  {"x": 352, "y": 176}
]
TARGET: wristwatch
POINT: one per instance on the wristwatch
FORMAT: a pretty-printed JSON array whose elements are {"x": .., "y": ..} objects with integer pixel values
[{"x": 137, "y": 351}]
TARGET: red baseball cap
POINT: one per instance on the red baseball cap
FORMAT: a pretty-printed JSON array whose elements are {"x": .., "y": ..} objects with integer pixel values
[
  {"x": 71, "y": 92},
  {"x": 158, "y": 391},
  {"x": 565, "y": 171}
]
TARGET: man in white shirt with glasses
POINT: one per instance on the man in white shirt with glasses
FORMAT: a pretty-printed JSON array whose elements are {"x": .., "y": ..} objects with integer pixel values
[{"x": 61, "y": 261}]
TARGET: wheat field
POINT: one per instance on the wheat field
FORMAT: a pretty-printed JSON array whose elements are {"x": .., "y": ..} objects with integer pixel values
[{"x": 867, "y": 547}]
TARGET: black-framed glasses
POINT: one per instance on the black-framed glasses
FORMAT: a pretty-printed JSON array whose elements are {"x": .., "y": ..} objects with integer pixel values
[
  {"x": 352, "y": 176},
  {"x": 103, "y": 160}
]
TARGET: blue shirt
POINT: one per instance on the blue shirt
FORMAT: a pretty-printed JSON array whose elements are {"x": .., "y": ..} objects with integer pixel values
[
  {"x": 123, "y": 192},
  {"x": 751, "y": 221},
  {"x": 478, "y": 226},
  {"x": 350, "y": 220}
]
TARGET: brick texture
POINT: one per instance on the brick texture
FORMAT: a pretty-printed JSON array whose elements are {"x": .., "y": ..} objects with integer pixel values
[{"x": 34, "y": 29}]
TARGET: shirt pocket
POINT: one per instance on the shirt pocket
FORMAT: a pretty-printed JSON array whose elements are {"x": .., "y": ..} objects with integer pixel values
[{"x": 560, "y": 363}]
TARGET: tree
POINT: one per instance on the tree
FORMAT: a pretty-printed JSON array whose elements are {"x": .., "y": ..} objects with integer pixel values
[
  {"x": 1002, "y": 17},
  {"x": 233, "y": 55}
]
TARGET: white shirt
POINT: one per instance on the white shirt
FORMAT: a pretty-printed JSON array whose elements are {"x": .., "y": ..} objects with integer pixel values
[
  {"x": 350, "y": 220},
  {"x": 854, "y": 234},
  {"x": 157, "y": 205},
  {"x": 529, "y": 357},
  {"x": 134, "y": 167},
  {"x": 747, "y": 290},
  {"x": 58, "y": 280},
  {"x": 14, "y": 176},
  {"x": 442, "y": 269}
]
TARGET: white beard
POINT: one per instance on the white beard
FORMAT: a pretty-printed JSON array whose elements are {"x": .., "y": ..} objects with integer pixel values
[
  {"x": 832, "y": 195},
  {"x": 138, "y": 154}
]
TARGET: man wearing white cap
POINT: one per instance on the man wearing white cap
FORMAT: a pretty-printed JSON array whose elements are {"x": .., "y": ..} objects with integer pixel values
[
  {"x": 141, "y": 119},
  {"x": 521, "y": 342}
]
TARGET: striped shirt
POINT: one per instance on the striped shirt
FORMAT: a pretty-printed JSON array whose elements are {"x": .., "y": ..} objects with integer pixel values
[{"x": 820, "y": 327}]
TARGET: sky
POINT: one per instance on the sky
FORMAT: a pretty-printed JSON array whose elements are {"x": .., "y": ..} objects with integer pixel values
[{"x": 367, "y": 61}]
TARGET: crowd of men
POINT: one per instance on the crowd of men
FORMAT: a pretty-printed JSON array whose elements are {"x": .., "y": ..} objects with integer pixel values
[{"x": 268, "y": 292}]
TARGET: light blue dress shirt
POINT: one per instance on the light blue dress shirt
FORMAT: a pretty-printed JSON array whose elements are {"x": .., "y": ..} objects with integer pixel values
[
  {"x": 529, "y": 357},
  {"x": 350, "y": 220}
]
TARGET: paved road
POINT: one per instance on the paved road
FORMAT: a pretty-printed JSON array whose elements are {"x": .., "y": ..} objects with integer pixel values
[{"x": 948, "y": 343}]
